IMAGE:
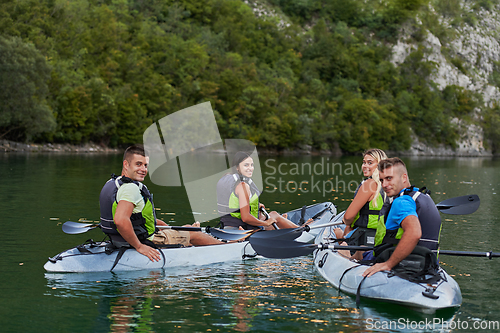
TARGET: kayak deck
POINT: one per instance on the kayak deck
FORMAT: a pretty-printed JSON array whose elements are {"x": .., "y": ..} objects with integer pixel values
[
  {"x": 92, "y": 258},
  {"x": 346, "y": 275}
]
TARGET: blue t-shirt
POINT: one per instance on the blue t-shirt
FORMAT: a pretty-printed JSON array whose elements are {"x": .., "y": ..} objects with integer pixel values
[{"x": 402, "y": 207}]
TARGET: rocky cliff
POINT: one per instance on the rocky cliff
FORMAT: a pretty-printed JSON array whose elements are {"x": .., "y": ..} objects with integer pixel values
[{"x": 476, "y": 46}]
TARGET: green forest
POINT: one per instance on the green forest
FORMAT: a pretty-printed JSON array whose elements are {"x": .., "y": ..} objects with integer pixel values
[{"x": 316, "y": 72}]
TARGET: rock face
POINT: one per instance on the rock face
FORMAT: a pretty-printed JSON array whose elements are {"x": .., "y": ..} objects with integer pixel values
[
  {"x": 477, "y": 47},
  {"x": 471, "y": 146}
]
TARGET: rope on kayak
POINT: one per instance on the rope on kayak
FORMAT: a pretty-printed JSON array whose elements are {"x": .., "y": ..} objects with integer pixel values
[
  {"x": 61, "y": 257},
  {"x": 121, "y": 251},
  {"x": 322, "y": 261},
  {"x": 164, "y": 246},
  {"x": 358, "y": 292},
  {"x": 343, "y": 274},
  {"x": 164, "y": 259},
  {"x": 430, "y": 289},
  {"x": 82, "y": 247},
  {"x": 245, "y": 255},
  {"x": 82, "y": 250}
]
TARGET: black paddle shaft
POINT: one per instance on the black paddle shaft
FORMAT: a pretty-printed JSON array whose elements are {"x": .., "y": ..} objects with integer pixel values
[
  {"x": 489, "y": 255},
  {"x": 267, "y": 216},
  {"x": 281, "y": 249},
  {"x": 277, "y": 248}
]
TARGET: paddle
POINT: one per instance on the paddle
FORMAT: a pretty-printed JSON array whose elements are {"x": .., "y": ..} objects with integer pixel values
[
  {"x": 277, "y": 248},
  {"x": 279, "y": 233},
  {"x": 263, "y": 211},
  {"x": 231, "y": 234},
  {"x": 463, "y": 205},
  {"x": 291, "y": 234},
  {"x": 240, "y": 234},
  {"x": 469, "y": 254},
  {"x": 72, "y": 228}
]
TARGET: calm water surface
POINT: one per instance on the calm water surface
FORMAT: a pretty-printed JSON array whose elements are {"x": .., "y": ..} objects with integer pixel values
[{"x": 39, "y": 192}]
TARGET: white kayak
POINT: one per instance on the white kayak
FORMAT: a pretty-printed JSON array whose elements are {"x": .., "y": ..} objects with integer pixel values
[
  {"x": 92, "y": 257},
  {"x": 346, "y": 275},
  {"x": 321, "y": 213}
]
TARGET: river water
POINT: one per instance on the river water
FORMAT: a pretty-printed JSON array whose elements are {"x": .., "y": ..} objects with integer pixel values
[{"x": 41, "y": 191}]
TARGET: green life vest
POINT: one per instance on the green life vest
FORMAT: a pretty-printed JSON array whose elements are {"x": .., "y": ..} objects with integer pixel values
[
  {"x": 367, "y": 217},
  {"x": 228, "y": 204},
  {"x": 383, "y": 236},
  {"x": 144, "y": 222},
  {"x": 428, "y": 215}
]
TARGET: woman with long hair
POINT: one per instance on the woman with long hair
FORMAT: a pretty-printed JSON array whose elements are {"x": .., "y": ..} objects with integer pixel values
[
  {"x": 361, "y": 217},
  {"x": 238, "y": 199}
]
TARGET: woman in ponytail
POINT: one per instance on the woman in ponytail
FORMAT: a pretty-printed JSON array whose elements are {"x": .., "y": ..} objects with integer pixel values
[{"x": 361, "y": 217}]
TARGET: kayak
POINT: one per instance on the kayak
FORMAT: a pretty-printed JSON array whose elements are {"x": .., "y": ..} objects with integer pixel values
[
  {"x": 92, "y": 256},
  {"x": 346, "y": 275},
  {"x": 321, "y": 213}
]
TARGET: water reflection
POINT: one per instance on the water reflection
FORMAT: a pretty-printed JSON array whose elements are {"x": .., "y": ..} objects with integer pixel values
[
  {"x": 125, "y": 302},
  {"x": 133, "y": 308},
  {"x": 241, "y": 303},
  {"x": 256, "y": 295}
]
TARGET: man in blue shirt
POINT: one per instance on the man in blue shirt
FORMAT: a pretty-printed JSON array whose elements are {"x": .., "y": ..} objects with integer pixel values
[{"x": 411, "y": 219}]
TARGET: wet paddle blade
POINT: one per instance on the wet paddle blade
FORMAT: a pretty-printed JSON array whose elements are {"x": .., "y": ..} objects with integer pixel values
[
  {"x": 277, "y": 248},
  {"x": 283, "y": 234},
  {"x": 230, "y": 234},
  {"x": 73, "y": 228},
  {"x": 463, "y": 205}
]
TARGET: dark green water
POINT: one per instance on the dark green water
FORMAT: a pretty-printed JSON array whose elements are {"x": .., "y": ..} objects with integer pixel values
[{"x": 39, "y": 192}]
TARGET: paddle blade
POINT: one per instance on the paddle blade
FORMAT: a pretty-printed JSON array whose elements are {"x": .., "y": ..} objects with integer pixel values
[
  {"x": 277, "y": 248},
  {"x": 230, "y": 234},
  {"x": 463, "y": 205},
  {"x": 283, "y": 234},
  {"x": 73, "y": 228}
]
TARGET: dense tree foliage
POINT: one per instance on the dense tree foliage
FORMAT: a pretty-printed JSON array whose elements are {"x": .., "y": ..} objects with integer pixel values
[
  {"x": 104, "y": 70},
  {"x": 23, "y": 73}
]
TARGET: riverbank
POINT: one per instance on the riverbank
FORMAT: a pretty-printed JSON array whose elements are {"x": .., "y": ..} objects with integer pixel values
[
  {"x": 416, "y": 149},
  {"x": 11, "y": 146}
]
